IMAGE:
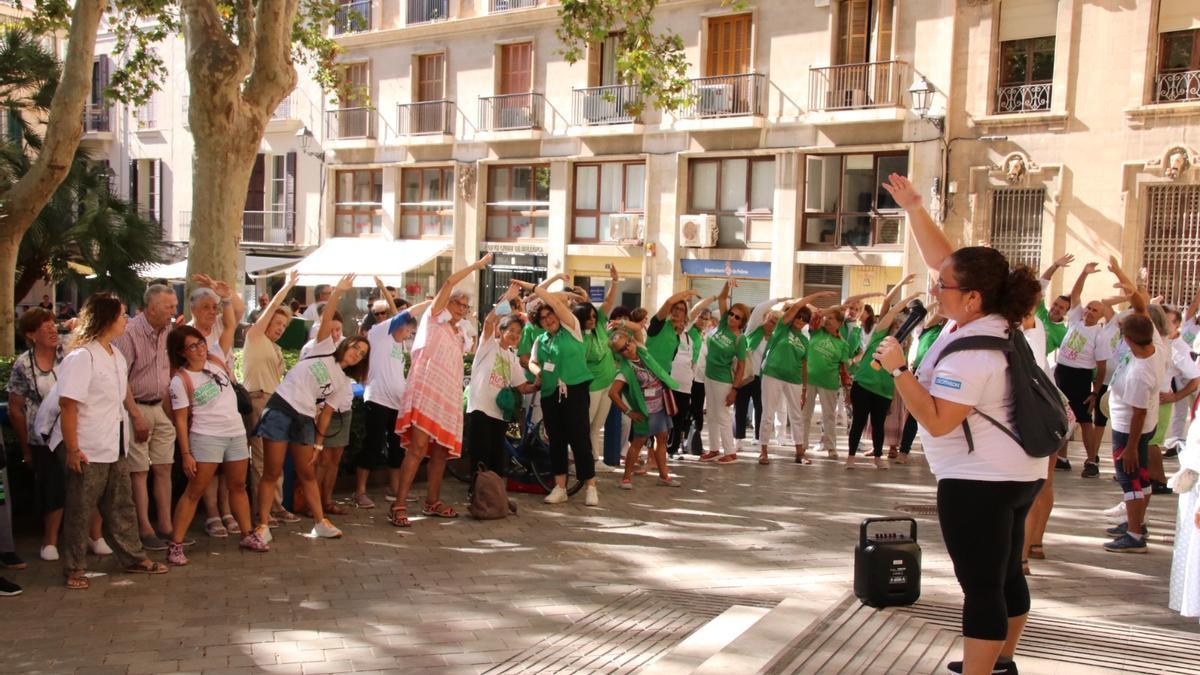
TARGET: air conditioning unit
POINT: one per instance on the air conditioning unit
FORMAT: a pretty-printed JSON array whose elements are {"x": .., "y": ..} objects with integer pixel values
[
  {"x": 625, "y": 228},
  {"x": 698, "y": 231},
  {"x": 715, "y": 99},
  {"x": 848, "y": 98}
]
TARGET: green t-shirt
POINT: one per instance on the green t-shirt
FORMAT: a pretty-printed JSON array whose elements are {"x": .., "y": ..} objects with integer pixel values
[
  {"x": 529, "y": 334},
  {"x": 875, "y": 381},
  {"x": 599, "y": 357},
  {"x": 785, "y": 355},
  {"x": 1055, "y": 332},
  {"x": 562, "y": 357},
  {"x": 852, "y": 334},
  {"x": 825, "y": 353},
  {"x": 663, "y": 344},
  {"x": 928, "y": 337},
  {"x": 697, "y": 339},
  {"x": 723, "y": 348}
]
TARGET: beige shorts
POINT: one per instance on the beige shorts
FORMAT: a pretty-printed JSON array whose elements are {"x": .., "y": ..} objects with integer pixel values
[{"x": 159, "y": 448}]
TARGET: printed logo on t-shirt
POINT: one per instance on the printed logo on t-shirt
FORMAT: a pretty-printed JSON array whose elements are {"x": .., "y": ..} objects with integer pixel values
[
  {"x": 320, "y": 373},
  {"x": 1074, "y": 344},
  {"x": 947, "y": 382},
  {"x": 501, "y": 373},
  {"x": 206, "y": 392},
  {"x": 397, "y": 351},
  {"x": 796, "y": 342}
]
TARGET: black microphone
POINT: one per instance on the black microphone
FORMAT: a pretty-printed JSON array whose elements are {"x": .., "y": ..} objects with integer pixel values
[{"x": 916, "y": 314}]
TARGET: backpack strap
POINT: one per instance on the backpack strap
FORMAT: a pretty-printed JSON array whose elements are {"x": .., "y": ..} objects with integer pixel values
[{"x": 986, "y": 343}]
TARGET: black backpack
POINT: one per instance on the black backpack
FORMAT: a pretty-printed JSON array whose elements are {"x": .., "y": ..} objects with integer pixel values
[{"x": 1038, "y": 409}]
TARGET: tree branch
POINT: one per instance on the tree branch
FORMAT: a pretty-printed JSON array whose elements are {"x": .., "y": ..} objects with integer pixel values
[{"x": 274, "y": 75}]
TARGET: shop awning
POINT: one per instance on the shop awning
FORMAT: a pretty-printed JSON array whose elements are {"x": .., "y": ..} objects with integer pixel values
[
  {"x": 177, "y": 271},
  {"x": 367, "y": 257}
]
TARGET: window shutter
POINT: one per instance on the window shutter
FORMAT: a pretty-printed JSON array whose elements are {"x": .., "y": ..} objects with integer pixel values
[
  {"x": 883, "y": 40},
  {"x": 853, "y": 25},
  {"x": 289, "y": 200},
  {"x": 1176, "y": 15},
  {"x": 595, "y": 59},
  {"x": 728, "y": 45},
  {"x": 158, "y": 184},
  {"x": 1022, "y": 19},
  {"x": 133, "y": 184}
]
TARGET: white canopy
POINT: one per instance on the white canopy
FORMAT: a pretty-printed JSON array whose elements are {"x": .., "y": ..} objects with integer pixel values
[
  {"x": 367, "y": 257},
  {"x": 177, "y": 271}
]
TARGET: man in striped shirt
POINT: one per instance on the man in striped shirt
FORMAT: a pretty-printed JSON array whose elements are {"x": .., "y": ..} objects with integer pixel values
[{"x": 144, "y": 346}]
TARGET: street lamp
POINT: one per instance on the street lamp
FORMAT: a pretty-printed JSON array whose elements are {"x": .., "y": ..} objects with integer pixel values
[
  {"x": 305, "y": 135},
  {"x": 922, "y": 101}
]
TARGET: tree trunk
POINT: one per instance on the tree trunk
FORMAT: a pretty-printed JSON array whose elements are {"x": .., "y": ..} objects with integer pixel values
[
  {"x": 221, "y": 170},
  {"x": 20, "y": 206}
]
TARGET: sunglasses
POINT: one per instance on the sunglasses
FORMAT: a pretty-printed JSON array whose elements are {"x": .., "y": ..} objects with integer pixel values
[
  {"x": 379, "y": 313},
  {"x": 739, "y": 317}
]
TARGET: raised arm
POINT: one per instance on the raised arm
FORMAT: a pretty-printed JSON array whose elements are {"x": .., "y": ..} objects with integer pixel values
[
  {"x": 1077, "y": 289},
  {"x": 1138, "y": 298},
  {"x": 858, "y": 298},
  {"x": 443, "y": 295},
  {"x": 891, "y": 295},
  {"x": 326, "y": 327},
  {"x": 493, "y": 319},
  {"x": 885, "y": 322},
  {"x": 931, "y": 240},
  {"x": 545, "y": 285},
  {"x": 723, "y": 296},
  {"x": 565, "y": 317},
  {"x": 698, "y": 308},
  {"x": 387, "y": 297},
  {"x": 229, "y": 315},
  {"x": 264, "y": 319},
  {"x": 1057, "y": 265},
  {"x": 665, "y": 311},
  {"x": 759, "y": 313},
  {"x": 610, "y": 298}
]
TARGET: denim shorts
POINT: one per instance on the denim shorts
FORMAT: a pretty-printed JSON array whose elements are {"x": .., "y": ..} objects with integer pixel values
[
  {"x": 216, "y": 449},
  {"x": 1134, "y": 485},
  {"x": 288, "y": 427}
]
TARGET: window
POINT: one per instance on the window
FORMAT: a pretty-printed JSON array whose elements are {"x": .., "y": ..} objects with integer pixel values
[
  {"x": 427, "y": 202},
  {"x": 353, "y": 119},
  {"x": 358, "y": 207},
  {"x": 1171, "y": 249},
  {"x": 1178, "y": 76},
  {"x": 728, "y": 50},
  {"x": 844, "y": 205},
  {"x": 864, "y": 31},
  {"x": 431, "y": 75},
  {"x": 1017, "y": 225},
  {"x": 518, "y": 204},
  {"x": 740, "y": 191},
  {"x": 145, "y": 188},
  {"x": 1026, "y": 73},
  {"x": 516, "y": 68},
  {"x": 818, "y": 278},
  {"x": 609, "y": 49},
  {"x": 602, "y": 190}
]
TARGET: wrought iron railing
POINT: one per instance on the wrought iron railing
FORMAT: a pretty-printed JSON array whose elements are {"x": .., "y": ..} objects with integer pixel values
[
  {"x": 268, "y": 227},
  {"x": 855, "y": 85},
  {"x": 725, "y": 96},
  {"x": 345, "y": 123},
  {"x": 144, "y": 116},
  {"x": 506, "y": 112},
  {"x": 425, "y": 117},
  {"x": 1174, "y": 87},
  {"x": 426, "y": 11},
  {"x": 505, "y": 5},
  {"x": 353, "y": 17},
  {"x": 605, "y": 105},
  {"x": 1023, "y": 98}
]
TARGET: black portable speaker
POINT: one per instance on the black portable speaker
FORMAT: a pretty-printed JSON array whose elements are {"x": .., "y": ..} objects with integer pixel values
[{"x": 887, "y": 564}]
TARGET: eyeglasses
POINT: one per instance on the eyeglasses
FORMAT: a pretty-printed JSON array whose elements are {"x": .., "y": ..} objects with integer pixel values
[
  {"x": 941, "y": 286},
  {"x": 193, "y": 346},
  {"x": 379, "y": 313}
]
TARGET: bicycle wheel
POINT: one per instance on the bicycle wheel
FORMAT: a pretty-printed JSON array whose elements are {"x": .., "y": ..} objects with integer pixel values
[{"x": 537, "y": 453}]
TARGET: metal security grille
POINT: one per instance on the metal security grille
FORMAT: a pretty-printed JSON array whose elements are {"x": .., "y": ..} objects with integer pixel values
[
  {"x": 824, "y": 278},
  {"x": 1017, "y": 225},
  {"x": 1171, "y": 248}
]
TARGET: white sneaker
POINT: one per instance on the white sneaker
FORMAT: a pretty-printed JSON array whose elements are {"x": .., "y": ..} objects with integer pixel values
[
  {"x": 591, "y": 496},
  {"x": 557, "y": 496},
  {"x": 325, "y": 529},
  {"x": 264, "y": 533},
  {"x": 1117, "y": 513},
  {"x": 100, "y": 547},
  {"x": 50, "y": 553}
]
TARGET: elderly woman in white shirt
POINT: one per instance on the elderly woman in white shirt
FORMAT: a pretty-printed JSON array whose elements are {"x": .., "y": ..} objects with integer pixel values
[{"x": 92, "y": 429}]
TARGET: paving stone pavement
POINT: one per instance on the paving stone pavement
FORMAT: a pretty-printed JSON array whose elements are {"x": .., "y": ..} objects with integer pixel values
[{"x": 462, "y": 596}]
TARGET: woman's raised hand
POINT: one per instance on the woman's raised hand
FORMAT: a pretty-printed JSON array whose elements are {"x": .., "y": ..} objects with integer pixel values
[
  {"x": 483, "y": 262},
  {"x": 346, "y": 283},
  {"x": 901, "y": 189}
]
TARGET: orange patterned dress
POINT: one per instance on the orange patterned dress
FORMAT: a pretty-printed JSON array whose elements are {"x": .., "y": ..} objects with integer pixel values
[{"x": 432, "y": 401}]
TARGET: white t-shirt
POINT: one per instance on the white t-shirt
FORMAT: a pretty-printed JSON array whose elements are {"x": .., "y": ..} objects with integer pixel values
[
  {"x": 492, "y": 369},
  {"x": 1109, "y": 346},
  {"x": 1189, "y": 332},
  {"x": 681, "y": 365},
  {"x": 1036, "y": 337},
  {"x": 1181, "y": 366},
  {"x": 97, "y": 380},
  {"x": 1078, "y": 348},
  {"x": 978, "y": 379},
  {"x": 1136, "y": 385},
  {"x": 214, "y": 336},
  {"x": 386, "y": 382},
  {"x": 213, "y": 402},
  {"x": 314, "y": 380}
]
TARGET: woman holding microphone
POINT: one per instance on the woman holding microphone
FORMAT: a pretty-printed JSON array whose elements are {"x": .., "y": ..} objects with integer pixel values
[{"x": 984, "y": 494}]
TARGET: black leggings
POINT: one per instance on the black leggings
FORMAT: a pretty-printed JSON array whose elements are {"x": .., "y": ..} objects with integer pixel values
[
  {"x": 567, "y": 424},
  {"x": 1076, "y": 385},
  {"x": 908, "y": 435},
  {"x": 983, "y": 524},
  {"x": 866, "y": 404},
  {"x": 380, "y": 434},
  {"x": 485, "y": 439},
  {"x": 683, "y": 406},
  {"x": 751, "y": 392}
]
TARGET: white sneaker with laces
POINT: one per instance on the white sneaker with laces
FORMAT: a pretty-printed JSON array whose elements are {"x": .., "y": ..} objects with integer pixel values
[
  {"x": 100, "y": 547},
  {"x": 49, "y": 553},
  {"x": 557, "y": 496},
  {"x": 326, "y": 529},
  {"x": 591, "y": 496},
  {"x": 1117, "y": 513}
]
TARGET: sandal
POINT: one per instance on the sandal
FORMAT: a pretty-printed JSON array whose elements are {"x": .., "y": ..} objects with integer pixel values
[
  {"x": 764, "y": 460},
  {"x": 801, "y": 459},
  {"x": 147, "y": 567},
  {"x": 335, "y": 509},
  {"x": 1036, "y": 552},
  {"x": 230, "y": 523},
  {"x": 78, "y": 582},
  {"x": 213, "y": 527},
  {"x": 286, "y": 516},
  {"x": 398, "y": 517},
  {"x": 438, "y": 509}
]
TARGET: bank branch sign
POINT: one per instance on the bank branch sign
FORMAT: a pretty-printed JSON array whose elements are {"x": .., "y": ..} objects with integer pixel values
[{"x": 726, "y": 268}]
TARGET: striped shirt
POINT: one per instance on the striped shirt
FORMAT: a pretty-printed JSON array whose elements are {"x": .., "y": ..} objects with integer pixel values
[{"x": 146, "y": 351}]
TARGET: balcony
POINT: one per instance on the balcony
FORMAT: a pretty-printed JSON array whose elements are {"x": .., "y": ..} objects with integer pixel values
[
  {"x": 96, "y": 118},
  {"x": 426, "y": 118},
  {"x": 855, "y": 86},
  {"x": 144, "y": 117},
  {"x": 511, "y": 112},
  {"x": 268, "y": 227},
  {"x": 497, "y": 6},
  {"x": 725, "y": 96},
  {"x": 427, "y": 11},
  {"x": 352, "y": 17},
  {"x": 1177, "y": 87},
  {"x": 1023, "y": 98},
  {"x": 350, "y": 124},
  {"x": 598, "y": 106}
]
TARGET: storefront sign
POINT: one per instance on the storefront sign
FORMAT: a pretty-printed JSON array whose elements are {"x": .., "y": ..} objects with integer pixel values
[
  {"x": 500, "y": 247},
  {"x": 596, "y": 293},
  {"x": 726, "y": 268}
]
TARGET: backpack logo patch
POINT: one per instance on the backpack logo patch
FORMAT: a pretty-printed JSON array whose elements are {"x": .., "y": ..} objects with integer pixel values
[{"x": 947, "y": 382}]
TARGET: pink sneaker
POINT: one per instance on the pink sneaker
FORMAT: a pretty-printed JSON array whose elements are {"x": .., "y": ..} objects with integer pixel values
[
  {"x": 253, "y": 542},
  {"x": 175, "y": 555}
]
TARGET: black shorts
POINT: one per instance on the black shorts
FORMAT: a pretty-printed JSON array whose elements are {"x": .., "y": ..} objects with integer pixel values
[
  {"x": 1076, "y": 385},
  {"x": 50, "y": 479}
]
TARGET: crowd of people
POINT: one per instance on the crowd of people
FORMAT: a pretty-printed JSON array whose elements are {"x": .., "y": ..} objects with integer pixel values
[{"x": 103, "y": 416}]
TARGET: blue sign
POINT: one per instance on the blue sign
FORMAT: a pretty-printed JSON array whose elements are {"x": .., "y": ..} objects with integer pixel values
[
  {"x": 596, "y": 293},
  {"x": 726, "y": 268}
]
